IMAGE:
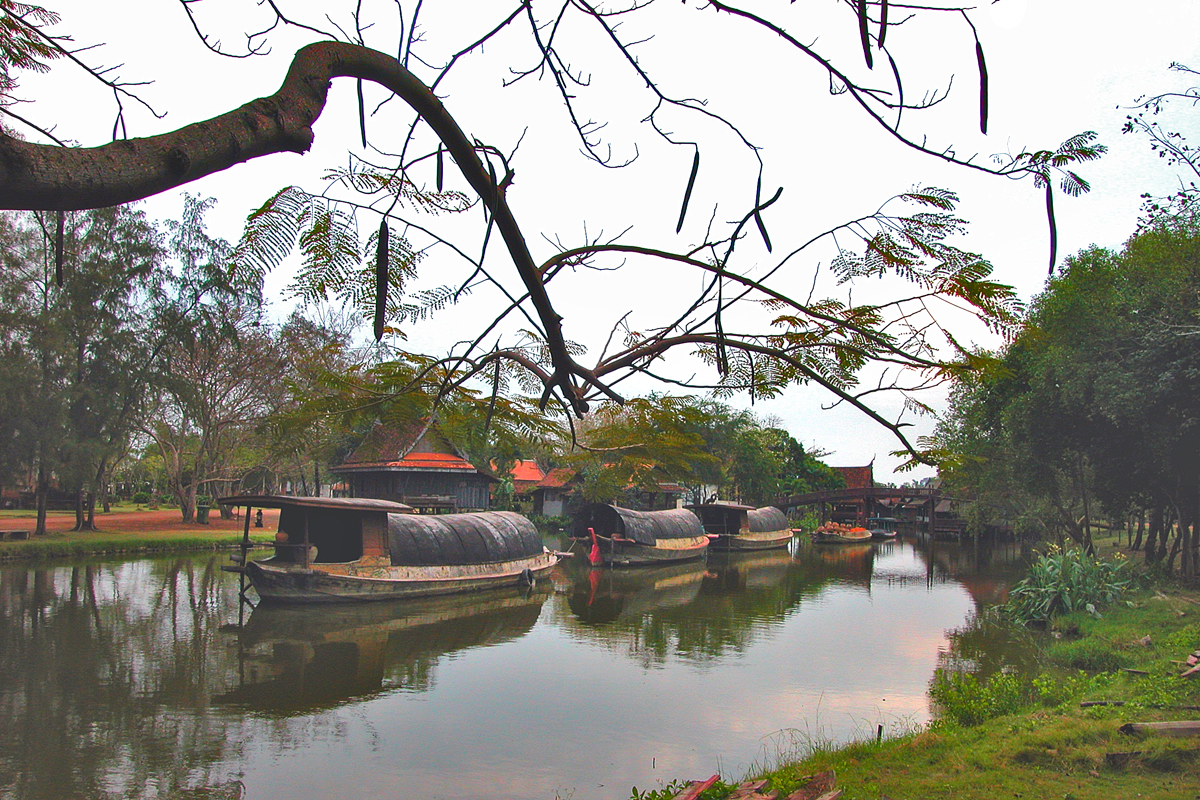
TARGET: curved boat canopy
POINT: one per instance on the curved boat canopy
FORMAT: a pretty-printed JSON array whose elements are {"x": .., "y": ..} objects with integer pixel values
[
  {"x": 643, "y": 527},
  {"x": 451, "y": 539},
  {"x": 767, "y": 520}
]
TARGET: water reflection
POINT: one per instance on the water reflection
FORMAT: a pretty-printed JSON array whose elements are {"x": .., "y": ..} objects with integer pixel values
[
  {"x": 293, "y": 660},
  {"x": 127, "y": 679}
]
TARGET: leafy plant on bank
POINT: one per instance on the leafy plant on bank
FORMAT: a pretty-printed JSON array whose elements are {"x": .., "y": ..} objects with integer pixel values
[
  {"x": 1065, "y": 580},
  {"x": 969, "y": 699}
]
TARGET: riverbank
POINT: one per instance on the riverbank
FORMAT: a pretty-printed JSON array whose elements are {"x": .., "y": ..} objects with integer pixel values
[
  {"x": 124, "y": 532},
  {"x": 1055, "y": 732}
]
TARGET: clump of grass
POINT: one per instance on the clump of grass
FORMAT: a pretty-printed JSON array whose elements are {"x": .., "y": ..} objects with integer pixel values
[
  {"x": 1062, "y": 581},
  {"x": 1091, "y": 655},
  {"x": 968, "y": 699}
]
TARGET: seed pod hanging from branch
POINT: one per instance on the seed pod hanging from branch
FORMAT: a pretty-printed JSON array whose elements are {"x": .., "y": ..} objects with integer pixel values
[
  {"x": 381, "y": 278},
  {"x": 687, "y": 194},
  {"x": 864, "y": 33}
]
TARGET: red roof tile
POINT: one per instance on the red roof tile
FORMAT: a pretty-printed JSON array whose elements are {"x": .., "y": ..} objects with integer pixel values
[{"x": 557, "y": 478}]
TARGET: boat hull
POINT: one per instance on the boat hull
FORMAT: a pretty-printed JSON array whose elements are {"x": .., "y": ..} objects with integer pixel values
[
  {"x": 344, "y": 583},
  {"x": 753, "y": 541},
  {"x": 837, "y": 538},
  {"x": 627, "y": 553}
]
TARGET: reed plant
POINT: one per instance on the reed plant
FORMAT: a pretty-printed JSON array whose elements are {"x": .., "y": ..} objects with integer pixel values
[{"x": 1065, "y": 580}]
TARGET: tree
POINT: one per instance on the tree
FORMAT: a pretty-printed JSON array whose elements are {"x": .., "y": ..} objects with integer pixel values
[
  {"x": 87, "y": 337},
  {"x": 1092, "y": 408},
  {"x": 757, "y": 334}
]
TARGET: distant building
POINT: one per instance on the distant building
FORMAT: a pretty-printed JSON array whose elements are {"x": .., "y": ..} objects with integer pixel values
[
  {"x": 415, "y": 464},
  {"x": 858, "y": 477},
  {"x": 555, "y": 495}
]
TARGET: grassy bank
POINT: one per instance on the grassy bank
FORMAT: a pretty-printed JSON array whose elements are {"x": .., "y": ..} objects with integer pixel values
[
  {"x": 1028, "y": 733},
  {"x": 76, "y": 544}
]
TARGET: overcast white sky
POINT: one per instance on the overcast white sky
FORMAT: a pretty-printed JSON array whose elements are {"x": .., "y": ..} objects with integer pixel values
[{"x": 1056, "y": 69}]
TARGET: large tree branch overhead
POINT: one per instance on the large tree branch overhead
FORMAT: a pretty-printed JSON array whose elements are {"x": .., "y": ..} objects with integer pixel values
[{"x": 35, "y": 176}]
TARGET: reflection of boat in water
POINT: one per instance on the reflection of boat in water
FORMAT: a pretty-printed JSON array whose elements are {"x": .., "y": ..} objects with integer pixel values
[
  {"x": 298, "y": 659},
  {"x": 600, "y": 596},
  {"x": 340, "y": 549},
  {"x": 738, "y": 571},
  {"x": 624, "y": 537},
  {"x": 736, "y": 527}
]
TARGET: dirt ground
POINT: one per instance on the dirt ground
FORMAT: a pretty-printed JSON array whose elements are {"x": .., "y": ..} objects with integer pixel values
[{"x": 168, "y": 520}]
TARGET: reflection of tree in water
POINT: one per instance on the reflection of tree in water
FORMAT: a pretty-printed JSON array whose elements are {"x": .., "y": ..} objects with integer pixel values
[
  {"x": 693, "y": 611},
  {"x": 108, "y": 673},
  {"x": 988, "y": 644},
  {"x": 105, "y": 675},
  {"x": 82, "y": 671}
]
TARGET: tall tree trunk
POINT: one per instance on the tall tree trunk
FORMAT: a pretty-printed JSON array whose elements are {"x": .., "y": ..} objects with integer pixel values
[
  {"x": 43, "y": 488},
  {"x": 1152, "y": 535},
  {"x": 91, "y": 511},
  {"x": 316, "y": 479},
  {"x": 80, "y": 519},
  {"x": 1141, "y": 529}
]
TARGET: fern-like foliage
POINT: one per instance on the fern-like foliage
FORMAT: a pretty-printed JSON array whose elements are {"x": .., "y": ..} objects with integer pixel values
[
  {"x": 21, "y": 46},
  {"x": 372, "y": 181},
  {"x": 334, "y": 262}
]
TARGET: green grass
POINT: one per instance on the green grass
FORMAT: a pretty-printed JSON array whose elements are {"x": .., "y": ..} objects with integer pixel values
[{"x": 74, "y": 544}]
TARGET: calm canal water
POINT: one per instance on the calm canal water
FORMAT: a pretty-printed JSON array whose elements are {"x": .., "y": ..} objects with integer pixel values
[{"x": 130, "y": 679}]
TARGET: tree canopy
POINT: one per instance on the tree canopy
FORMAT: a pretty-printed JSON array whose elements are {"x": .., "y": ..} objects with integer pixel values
[{"x": 749, "y": 309}]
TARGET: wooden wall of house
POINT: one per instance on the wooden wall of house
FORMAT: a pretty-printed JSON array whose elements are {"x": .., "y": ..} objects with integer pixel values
[{"x": 470, "y": 491}]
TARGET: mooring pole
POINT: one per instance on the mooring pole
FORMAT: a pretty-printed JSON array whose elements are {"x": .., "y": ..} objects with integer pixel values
[{"x": 242, "y": 599}]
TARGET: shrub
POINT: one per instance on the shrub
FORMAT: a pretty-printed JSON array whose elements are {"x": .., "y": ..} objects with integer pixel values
[
  {"x": 141, "y": 498},
  {"x": 1067, "y": 580}
]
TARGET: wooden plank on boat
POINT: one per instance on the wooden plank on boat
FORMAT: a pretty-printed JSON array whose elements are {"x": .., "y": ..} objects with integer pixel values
[
  {"x": 695, "y": 788},
  {"x": 1180, "y": 729}
]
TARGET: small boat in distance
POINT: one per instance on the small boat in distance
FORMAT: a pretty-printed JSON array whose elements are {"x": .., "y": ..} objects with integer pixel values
[
  {"x": 836, "y": 533},
  {"x": 622, "y": 537},
  {"x": 736, "y": 527},
  {"x": 331, "y": 550},
  {"x": 882, "y": 527}
]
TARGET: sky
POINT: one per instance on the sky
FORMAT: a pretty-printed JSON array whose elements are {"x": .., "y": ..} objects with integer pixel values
[{"x": 1055, "y": 69}]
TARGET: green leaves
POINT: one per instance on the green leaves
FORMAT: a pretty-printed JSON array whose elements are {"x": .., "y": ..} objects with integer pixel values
[{"x": 335, "y": 263}]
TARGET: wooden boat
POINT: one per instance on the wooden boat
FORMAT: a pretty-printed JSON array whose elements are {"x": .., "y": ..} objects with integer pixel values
[
  {"x": 882, "y": 527},
  {"x": 621, "y": 537},
  {"x": 736, "y": 527},
  {"x": 332, "y": 550},
  {"x": 833, "y": 533}
]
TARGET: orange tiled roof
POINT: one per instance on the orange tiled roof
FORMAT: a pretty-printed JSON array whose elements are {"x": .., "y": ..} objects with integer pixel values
[{"x": 557, "y": 478}]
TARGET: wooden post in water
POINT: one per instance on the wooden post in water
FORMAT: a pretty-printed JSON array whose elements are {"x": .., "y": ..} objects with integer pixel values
[
  {"x": 242, "y": 599},
  {"x": 304, "y": 540}
]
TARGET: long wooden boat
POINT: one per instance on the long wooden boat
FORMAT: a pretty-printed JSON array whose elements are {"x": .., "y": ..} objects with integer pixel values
[
  {"x": 620, "y": 537},
  {"x": 736, "y": 527},
  {"x": 882, "y": 527},
  {"x": 331, "y": 550}
]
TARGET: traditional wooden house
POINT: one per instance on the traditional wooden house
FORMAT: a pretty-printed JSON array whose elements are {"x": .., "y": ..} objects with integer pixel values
[
  {"x": 550, "y": 494},
  {"x": 418, "y": 466}
]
